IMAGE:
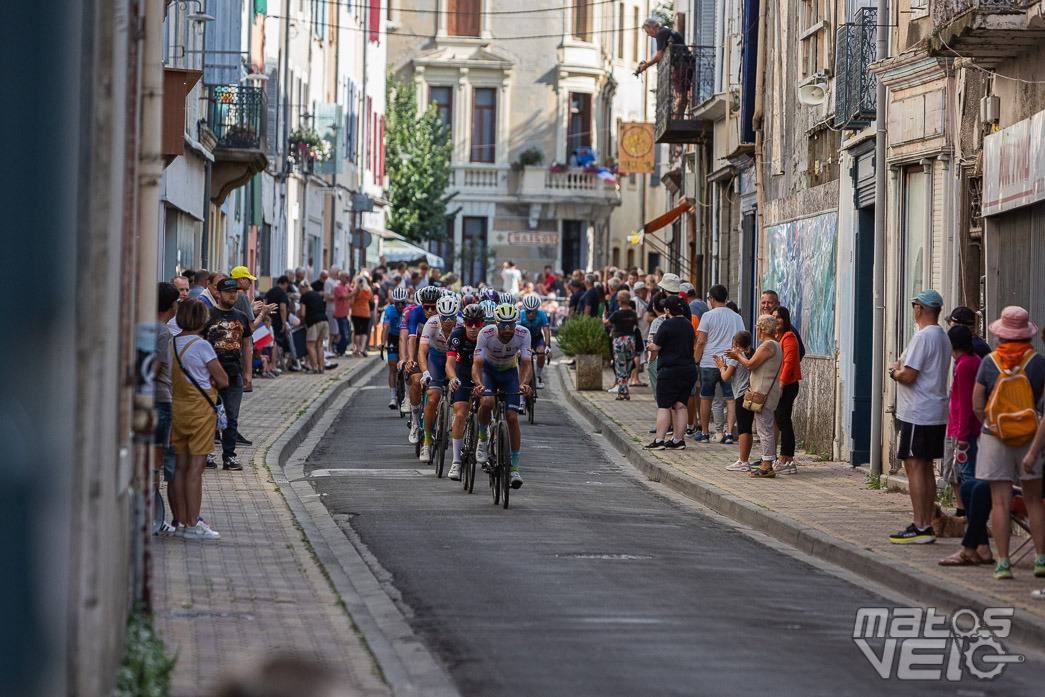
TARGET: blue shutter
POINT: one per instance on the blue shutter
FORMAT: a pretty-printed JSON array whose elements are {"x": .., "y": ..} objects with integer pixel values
[{"x": 223, "y": 56}]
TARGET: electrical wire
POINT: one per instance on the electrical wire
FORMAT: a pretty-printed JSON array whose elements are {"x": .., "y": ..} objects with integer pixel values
[
  {"x": 560, "y": 8},
  {"x": 992, "y": 73}
]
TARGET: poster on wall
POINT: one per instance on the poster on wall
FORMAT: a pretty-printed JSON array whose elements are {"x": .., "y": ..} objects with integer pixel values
[
  {"x": 800, "y": 266},
  {"x": 636, "y": 149}
]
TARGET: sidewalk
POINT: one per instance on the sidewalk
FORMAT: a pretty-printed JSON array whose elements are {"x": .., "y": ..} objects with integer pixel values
[
  {"x": 825, "y": 510},
  {"x": 259, "y": 590}
]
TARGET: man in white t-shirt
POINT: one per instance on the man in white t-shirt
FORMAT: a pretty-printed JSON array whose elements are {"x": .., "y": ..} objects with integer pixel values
[
  {"x": 921, "y": 376},
  {"x": 329, "y": 284},
  {"x": 512, "y": 277},
  {"x": 714, "y": 337}
]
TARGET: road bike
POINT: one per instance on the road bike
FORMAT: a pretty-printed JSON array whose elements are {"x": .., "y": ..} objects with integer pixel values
[
  {"x": 500, "y": 464},
  {"x": 440, "y": 434},
  {"x": 468, "y": 445},
  {"x": 531, "y": 399},
  {"x": 401, "y": 392}
]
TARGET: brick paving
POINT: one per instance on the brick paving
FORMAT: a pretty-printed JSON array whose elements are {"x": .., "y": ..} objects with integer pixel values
[
  {"x": 258, "y": 590},
  {"x": 831, "y": 497}
]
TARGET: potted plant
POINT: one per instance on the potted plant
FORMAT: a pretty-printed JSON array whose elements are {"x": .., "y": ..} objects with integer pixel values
[
  {"x": 585, "y": 339},
  {"x": 307, "y": 147},
  {"x": 556, "y": 167},
  {"x": 531, "y": 157}
]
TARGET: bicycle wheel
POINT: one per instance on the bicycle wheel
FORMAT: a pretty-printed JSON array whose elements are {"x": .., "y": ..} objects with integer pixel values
[
  {"x": 468, "y": 461},
  {"x": 495, "y": 470},
  {"x": 465, "y": 441},
  {"x": 504, "y": 458},
  {"x": 400, "y": 393},
  {"x": 439, "y": 441}
]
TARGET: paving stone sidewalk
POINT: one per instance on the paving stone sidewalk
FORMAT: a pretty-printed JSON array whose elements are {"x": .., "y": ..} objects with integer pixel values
[
  {"x": 830, "y": 497},
  {"x": 258, "y": 591}
]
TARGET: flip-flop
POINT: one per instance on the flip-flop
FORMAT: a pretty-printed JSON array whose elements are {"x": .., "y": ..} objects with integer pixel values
[{"x": 957, "y": 559}]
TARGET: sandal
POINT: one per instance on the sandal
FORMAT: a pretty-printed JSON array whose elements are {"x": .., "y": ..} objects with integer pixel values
[
  {"x": 760, "y": 473},
  {"x": 959, "y": 559}
]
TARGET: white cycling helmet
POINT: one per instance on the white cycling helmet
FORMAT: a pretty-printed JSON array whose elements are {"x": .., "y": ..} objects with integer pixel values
[
  {"x": 531, "y": 303},
  {"x": 506, "y": 312},
  {"x": 506, "y": 299},
  {"x": 447, "y": 306},
  {"x": 399, "y": 295},
  {"x": 489, "y": 308}
]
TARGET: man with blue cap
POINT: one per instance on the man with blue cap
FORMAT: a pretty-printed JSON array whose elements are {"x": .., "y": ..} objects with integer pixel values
[{"x": 921, "y": 411}]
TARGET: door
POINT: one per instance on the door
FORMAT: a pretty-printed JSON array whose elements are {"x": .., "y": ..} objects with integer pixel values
[
  {"x": 863, "y": 336},
  {"x": 572, "y": 242}
]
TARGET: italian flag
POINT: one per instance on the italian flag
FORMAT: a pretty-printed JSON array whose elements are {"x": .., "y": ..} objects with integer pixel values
[{"x": 262, "y": 337}]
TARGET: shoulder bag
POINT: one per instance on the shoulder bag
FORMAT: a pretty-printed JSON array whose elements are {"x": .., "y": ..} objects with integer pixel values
[{"x": 219, "y": 408}]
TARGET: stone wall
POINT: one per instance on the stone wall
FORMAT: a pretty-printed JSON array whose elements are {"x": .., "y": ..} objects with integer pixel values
[{"x": 814, "y": 413}]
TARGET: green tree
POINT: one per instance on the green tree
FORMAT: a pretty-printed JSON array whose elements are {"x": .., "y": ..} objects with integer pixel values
[{"x": 418, "y": 149}]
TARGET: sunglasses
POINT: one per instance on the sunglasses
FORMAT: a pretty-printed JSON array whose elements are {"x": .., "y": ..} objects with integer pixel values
[
  {"x": 506, "y": 325},
  {"x": 428, "y": 308},
  {"x": 473, "y": 323},
  {"x": 447, "y": 318}
]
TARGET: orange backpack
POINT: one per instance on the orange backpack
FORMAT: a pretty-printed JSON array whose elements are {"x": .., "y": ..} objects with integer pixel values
[{"x": 1011, "y": 416}]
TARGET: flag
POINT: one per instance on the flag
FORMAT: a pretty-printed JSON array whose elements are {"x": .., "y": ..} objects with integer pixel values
[
  {"x": 607, "y": 176},
  {"x": 262, "y": 337}
]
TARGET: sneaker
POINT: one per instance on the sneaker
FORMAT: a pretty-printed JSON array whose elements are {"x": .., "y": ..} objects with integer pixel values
[
  {"x": 515, "y": 479},
  {"x": 540, "y": 384},
  {"x": 231, "y": 463},
  {"x": 201, "y": 531},
  {"x": 482, "y": 451},
  {"x": 243, "y": 441},
  {"x": 1003, "y": 570},
  {"x": 718, "y": 437},
  {"x": 179, "y": 530},
  {"x": 455, "y": 472},
  {"x": 691, "y": 431},
  {"x": 392, "y": 404},
  {"x": 211, "y": 462},
  {"x": 405, "y": 406},
  {"x": 165, "y": 528},
  {"x": 673, "y": 444},
  {"x": 785, "y": 467},
  {"x": 739, "y": 466},
  {"x": 912, "y": 535},
  {"x": 727, "y": 439},
  {"x": 657, "y": 444},
  {"x": 329, "y": 366},
  {"x": 415, "y": 434},
  {"x": 426, "y": 453},
  {"x": 701, "y": 438},
  {"x": 1039, "y": 565}
]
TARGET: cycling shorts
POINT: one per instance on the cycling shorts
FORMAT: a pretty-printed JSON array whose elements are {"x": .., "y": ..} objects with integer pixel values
[
  {"x": 464, "y": 392},
  {"x": 392, "y": 347},
  {"x": 504, "y": 381},
  {"x": 437, "y": 369}
]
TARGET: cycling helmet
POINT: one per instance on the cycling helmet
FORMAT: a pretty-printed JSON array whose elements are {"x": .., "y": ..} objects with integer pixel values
[
  {"x": 489, "y": 307},
  {"x": 468, "y": 298},
  {"x": 399, "y": 295},
  {"x": 467, "y": 290},
  {"x": 427, "y": 295},
  {"x": 506, "y": 299},
  {"x": 491, "y": 294},
  {"x": 506, "y": 312},
  {"x": 531, "y": 303},
  {"x": 474, "y": 312},
  {"x": 448, "y": 306}
]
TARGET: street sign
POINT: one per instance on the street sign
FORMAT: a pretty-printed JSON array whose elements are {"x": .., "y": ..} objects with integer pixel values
[
  {"x": 637, "y": 148},
  {"x": 361, "y": 238},
  {"x": 534, "y": 239},
  {"x": 361, "y": 203}
]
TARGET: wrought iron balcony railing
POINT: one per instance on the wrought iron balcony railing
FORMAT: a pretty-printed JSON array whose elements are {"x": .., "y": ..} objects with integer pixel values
[
  {"x": 855, "y": 85},
  {"x": 238, "y": 116},
  {"x": 685, "y": 80}
]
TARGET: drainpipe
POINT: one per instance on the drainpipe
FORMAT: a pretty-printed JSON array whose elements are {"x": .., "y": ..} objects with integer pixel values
[
  {"x": 757, "y": 115},
  {"x": 878, "y": 322}
]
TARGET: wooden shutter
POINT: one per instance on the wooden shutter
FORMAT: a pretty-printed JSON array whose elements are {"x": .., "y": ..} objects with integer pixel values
[
  {"x": 463, "y": 17},
  {"x": 375, "y": 21}
]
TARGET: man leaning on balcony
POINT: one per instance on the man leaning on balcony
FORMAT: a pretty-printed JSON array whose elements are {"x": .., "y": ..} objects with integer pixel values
[{"x": 681, "y": 62}]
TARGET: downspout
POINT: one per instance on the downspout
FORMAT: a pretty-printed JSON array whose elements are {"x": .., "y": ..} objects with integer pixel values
[
  {"x": 880, "y": 194},
  {"x": 757, "y": 114}
]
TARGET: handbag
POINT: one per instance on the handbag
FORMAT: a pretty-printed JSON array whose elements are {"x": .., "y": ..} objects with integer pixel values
[
  {"x": 219, "y": 408},
  {"x": 754, "y": 401}
]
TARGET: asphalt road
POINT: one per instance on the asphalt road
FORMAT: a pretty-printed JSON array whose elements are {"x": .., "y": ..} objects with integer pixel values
[{"x": 592, "y": 582}]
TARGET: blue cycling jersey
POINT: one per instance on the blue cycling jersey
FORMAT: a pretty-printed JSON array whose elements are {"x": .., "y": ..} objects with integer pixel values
[
  {"x": 416, "y": 319},
  {"x": 394, "y": 317},
  {"x": 536, "y": 325}
]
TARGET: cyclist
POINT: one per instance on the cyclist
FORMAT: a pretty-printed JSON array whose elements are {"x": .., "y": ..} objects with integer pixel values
[
  {"x": 506, "y": 298},
  {"x": 534, "y": 319},
  {"x": 390, "y": 326},
  {"x": 461, "y": 346},
  {"x": 431, "y": 354},
  {"x": 491, "y": 294},
  {"x": 425, "y": 308},
  {"x": 489, "y": 308},
  {"x": 501, "y": 362}
]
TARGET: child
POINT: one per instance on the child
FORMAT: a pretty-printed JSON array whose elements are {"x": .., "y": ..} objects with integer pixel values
[{"x": 731, "y": 370}]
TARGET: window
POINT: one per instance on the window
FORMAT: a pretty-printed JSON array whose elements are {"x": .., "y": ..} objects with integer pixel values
[
  {"x": 374, "y": 135},
  {"x": 813, "y": 52},
  {"x": 620, "y": 31},
  {"x": 366, "y": 141},
  {"x": 443, "y": 98},
  {"x": 578, "y": 132},
  {"x": 375, "y": 21},
  {"x": 473, "y": 251},
  {"x": 582, "y": 20},
  {"x": 463, "y": 17},
  {"x": 484, "y": 124},
  {"x": 381, "y": 149},
  {"x": 444, "y": 247},
  {"x": 914, "y": 250},
  {"x": 637, "y": 40}
]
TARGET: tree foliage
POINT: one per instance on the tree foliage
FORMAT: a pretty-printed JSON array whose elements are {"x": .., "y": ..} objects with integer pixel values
[{"x": 418, "y": 148}]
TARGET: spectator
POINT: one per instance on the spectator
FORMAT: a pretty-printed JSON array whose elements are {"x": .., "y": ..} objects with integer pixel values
[
  {"x": 963, "y": 428},
  {"x": 975, "y": 497},
  {"x": 676, "y": 374},
  {"x": 329, "y": 284},
  {"x": 299, "y": 281},
  {"x": 166, "y": 307},
  {"x": 422, "y": 271},
  {"x": 589, "y": 302},
  {"x": 435, "y": 277},
  {"x": 229, "y": 333},
  {"x": 715, "y": 336},
  {"x": 739, "y": 377},
  {"x": 360, "y": 296},
  {"x": 511, "y": 277},
  {"x": 966, "y": 317},
  {"x": 182, "y": 286},
  {"x": 577, "y": 292},
  {"x": 672, "y": 285},
  {"x": 1009, "y": 411},
  {"x": 278, "y": 298},
  {"x": 771, "y": 301},
  {"x": 764, "y": 387},
  {"x": 623, "y": 323},
  {"x": 193, "y": 416},
  {"x": 253, "y": 310},
  {"x": 315, "y": 311},
  {"x": 199, "y": 283},
  {"x": 790, "y": 376},
  {"x": 210, "y": 295},
  {"x": 697, "y": 307},
  {"x": 656, "y": 316},
  {"x": 342, "y": 310},
  {"x": 921, "y": 411}
]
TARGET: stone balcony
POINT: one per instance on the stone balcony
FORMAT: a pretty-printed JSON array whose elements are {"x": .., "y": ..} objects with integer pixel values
[
  {"x": 988, "y": 31},
  {"x": 533, "y": 184}
]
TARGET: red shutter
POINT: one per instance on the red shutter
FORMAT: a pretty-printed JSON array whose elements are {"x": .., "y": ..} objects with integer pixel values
[
  {"x": 375, "y": 21},
  {"x": 366, "y": 125},
  {"x": 381, "y": 176},
  {"x": 376, "y": 146}
]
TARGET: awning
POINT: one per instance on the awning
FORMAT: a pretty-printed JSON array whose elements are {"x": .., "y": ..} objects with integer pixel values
[
  {"x": 395, "y": 248},
  {"x": 666, "y": 219}
]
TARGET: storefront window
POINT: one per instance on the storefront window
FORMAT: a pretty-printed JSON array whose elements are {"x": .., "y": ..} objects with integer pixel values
[{"x": 913, "y": 252}]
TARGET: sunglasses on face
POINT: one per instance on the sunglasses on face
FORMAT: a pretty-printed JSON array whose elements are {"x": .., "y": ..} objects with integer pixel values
[
  {"x": 473, "y": 323},
  {"x": 506, "y": 325},
  {"x": 447, "y": 318},
  {"x": 428, "y": 308}
]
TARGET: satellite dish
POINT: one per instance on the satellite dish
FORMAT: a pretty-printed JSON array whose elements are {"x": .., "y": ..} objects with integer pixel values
[{"x": 812, "y": 94}]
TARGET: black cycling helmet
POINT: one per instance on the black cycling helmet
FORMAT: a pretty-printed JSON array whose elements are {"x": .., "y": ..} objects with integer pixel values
[
  {"x": 428, "y": 295},
  {"x": 474, "y": 312}
]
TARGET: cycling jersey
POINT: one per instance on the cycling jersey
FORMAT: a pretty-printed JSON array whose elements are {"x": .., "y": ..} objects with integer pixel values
[
  {"x": 462, "y": 349},
  {"x": 535, "y": 327},
  {"x": 432, "y": 336},
  {"x": 415, "y": 319},
  {"x": 394, "y": 317},
  {"x": 500, "y": 356}
]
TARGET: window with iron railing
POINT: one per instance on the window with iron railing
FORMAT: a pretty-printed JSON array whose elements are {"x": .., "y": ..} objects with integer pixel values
[
  {"x": 238, "y": 115},
  {"x": 685, "y": 79},
  {"x": 855, "y": 84}
]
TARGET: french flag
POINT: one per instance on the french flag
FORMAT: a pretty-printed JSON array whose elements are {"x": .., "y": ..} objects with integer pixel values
[
  {"x": 262, "y": 337},
  {"x": 606, "y": 175}
]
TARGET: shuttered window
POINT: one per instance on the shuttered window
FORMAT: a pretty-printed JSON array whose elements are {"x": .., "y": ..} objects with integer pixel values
[
  {"x": 463, "y": 17},
  {"x": 484, "y": 124},
  {"x": 375, "y": 21}
]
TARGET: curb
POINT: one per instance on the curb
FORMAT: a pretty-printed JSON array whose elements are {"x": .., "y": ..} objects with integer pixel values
[
  {"x": 406, "y": 664},
  {"x": 1026, "y": 629}
]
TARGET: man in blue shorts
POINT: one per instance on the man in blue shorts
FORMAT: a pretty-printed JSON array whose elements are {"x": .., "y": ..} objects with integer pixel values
[
  {"x": 431, "y": 353},
  {"x": 536, "y": 322},
  {"x": 415, "y": 319},
  {"x": 459, "y": 357},
  {"x": 390, "y": 324}
]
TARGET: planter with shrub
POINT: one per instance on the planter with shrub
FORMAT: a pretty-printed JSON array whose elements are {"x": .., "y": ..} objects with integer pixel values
[{"x": 585, "y": 339}]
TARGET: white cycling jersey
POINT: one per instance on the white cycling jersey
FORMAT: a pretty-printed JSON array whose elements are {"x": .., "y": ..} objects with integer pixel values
[
  {"x": 432, "y": 334},
  {"x": 499, "y": 355}
]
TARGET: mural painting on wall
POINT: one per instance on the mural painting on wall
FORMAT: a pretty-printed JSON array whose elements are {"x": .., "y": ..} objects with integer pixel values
[{"x": 800, "y": 266}]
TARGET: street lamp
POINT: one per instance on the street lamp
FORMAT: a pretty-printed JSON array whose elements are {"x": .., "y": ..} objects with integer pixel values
[{"x": 198, "y": 16}]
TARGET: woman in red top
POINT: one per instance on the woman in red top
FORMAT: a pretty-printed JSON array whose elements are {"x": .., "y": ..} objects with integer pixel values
[{"x": 790, "y": 375}]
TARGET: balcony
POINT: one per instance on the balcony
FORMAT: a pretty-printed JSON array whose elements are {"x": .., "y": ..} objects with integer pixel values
[
  {"x": 685, "y": 80},
  {"x": 988, "y": 31},
  {"x": 238, "y": 124},
  {"x": 570, "y": 185},
  {"x": 480, "y": 178},
  {"x": 855, "y": 85}
]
